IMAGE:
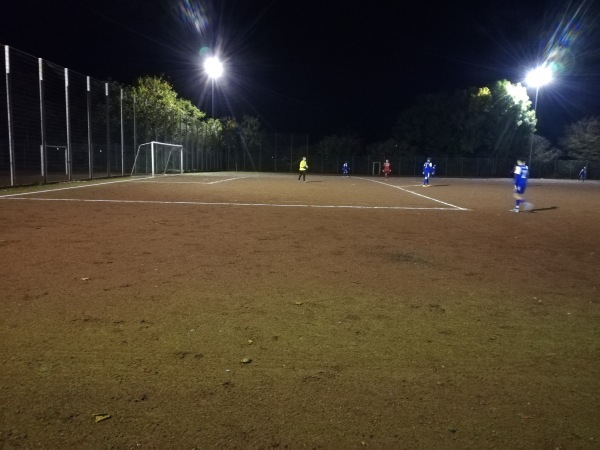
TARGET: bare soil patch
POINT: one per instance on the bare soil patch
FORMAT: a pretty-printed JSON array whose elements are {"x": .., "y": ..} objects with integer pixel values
[{"x": 270, "y": 313}]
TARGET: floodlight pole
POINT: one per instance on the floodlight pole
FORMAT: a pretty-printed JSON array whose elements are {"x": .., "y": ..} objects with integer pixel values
[
  {"x": 212, "y": 86},
  {"x": 537, "y": 90},
  {"x": 214, "y": 69},
  {"x": 537, "y": 77}
]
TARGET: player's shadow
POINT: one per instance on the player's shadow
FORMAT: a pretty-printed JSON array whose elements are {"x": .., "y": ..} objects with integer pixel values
[{"x": 544, "y": 209}]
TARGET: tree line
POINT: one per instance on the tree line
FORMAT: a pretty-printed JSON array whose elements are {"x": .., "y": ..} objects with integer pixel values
[{"x": 494, "y": 121}]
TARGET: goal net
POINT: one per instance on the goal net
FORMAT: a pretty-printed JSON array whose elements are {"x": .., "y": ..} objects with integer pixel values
[{"x": 157, "y": 158}]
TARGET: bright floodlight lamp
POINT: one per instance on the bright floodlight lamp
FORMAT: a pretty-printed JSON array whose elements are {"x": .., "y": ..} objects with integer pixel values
[
  {"x": 214, "y": 69},
  {"x": 536, "y": 78},
  {"x": 539, "y": 77}
]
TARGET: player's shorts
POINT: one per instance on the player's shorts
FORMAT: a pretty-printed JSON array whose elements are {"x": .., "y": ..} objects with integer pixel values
[{"x": 520, "y": 188}]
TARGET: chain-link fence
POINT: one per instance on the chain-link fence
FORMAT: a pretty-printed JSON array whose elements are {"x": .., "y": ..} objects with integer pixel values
[
  {"x": 56, "y": 124},
  {"x": 59, "y": 125},
  {"x": 282, "y": 153}
]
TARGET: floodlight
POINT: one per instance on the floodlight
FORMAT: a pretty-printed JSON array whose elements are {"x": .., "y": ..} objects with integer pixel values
[
  {"x": 213, "y": 67},
  {"x": 538, "y": 77}
]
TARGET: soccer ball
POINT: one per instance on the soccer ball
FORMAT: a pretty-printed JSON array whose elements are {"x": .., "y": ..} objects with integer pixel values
[{"x": 527, "y": 206}]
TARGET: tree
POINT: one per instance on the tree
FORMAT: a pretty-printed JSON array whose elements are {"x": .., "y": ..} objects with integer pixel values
[
  {"x": 543, "y": 150},
  {"x": 381, "y": 151},
  {"x": 230, "y": 142},
  {"x": 492, "y": 120},
  {"x": 582, "y": 138},
  {"x": 251, "y": 137},
  {"x": 334, "y": 147},
  {"x": 157, "y": 107},
  {"x": 510, "y": 120}
]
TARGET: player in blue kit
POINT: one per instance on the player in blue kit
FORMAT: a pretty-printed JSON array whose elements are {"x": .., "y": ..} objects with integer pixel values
[
  {"x": 521, "y": 173},
  {"x": 427, "y": 172}
]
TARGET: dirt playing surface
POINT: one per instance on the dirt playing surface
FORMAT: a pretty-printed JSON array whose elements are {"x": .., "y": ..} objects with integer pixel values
[{"x": 216, "y": 311}]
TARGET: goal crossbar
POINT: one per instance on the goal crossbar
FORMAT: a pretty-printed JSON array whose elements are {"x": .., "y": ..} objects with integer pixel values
[{"x": 157, "y": 158}]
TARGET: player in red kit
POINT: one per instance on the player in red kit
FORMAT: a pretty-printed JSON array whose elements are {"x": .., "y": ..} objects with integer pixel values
[{"x": 386, "y": 168}]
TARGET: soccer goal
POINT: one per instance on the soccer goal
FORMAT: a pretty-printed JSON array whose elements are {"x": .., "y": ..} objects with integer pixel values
[
  {"x": 376, "y": 168},
  {"x": 157, "y": 158}
]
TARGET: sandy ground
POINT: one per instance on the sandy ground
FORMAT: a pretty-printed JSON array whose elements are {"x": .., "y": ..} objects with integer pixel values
[{"x": 245, "y": 311}]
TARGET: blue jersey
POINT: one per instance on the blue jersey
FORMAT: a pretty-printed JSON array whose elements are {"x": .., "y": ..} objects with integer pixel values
[
  {"x": 521, "y": 173},
  {"x": 427, "y": 168}
]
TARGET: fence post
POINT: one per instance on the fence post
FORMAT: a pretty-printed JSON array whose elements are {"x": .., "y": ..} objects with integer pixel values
[
  {"x": 89, "y": 125},
  {"x": 43, "y": 158},
  {"x": 68, "y": 125},
  {"x": 11, "y": 137},
  {"x": 122, "y": 138},
  {"x": 107, "y": 130}
]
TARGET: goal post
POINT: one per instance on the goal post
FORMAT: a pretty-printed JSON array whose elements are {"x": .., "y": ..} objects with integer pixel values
[
  {"x": 376, "y": 168},
  {"x": 157, "y": 158}
]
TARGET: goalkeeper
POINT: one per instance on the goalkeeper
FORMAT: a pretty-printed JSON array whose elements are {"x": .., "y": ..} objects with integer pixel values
[{"x": 303, "y": 168}]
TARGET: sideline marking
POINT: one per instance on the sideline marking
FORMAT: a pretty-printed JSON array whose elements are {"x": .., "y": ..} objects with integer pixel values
[
  {"x": 20, "y": 196},
  {"x": 129, "y": 180},
  {"x": 145, "y": 180},
  {"x": 275, "y": 205},
  {"x": 414, "y": 193},
  {"x": 64, "y": 188}
]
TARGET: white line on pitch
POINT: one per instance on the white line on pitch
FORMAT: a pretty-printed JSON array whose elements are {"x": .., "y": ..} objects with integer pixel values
[
  {"x": 275, "y": 205},
  {"x": 414, "y": 193},
  {"x": 128, "y": 180},
  {"x": 145, "y": 180},
  {"x": 67, "y": 188}
]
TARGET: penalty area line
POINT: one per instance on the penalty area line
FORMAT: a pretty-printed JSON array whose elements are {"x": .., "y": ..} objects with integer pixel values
[
  {"x": 272, "y": 205},
  {"x": 417, "y": 194},
  {"x": 150, "y": 180}
]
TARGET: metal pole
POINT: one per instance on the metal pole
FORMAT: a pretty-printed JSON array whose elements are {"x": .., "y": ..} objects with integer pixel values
[
  {"x": 11, "y": 137},
  {"x": 107, "y": 130},
  {"x": 68, "y": 120},
  {"x": 537, "y": 89},
  {"x": 122, "y": 138},
  {"x": 42, "y": 121},
  {"x": 134, "y": 122},
  {"x": 89, "y": 125}
]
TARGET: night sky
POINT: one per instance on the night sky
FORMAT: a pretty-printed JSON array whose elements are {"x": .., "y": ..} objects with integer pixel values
[{"x": 323, "y": 67}]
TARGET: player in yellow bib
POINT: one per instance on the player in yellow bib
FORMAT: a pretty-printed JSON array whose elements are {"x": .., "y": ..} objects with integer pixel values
[{"x": 303, "y": 168}]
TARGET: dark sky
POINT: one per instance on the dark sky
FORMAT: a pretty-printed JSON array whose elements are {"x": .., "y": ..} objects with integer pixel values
[{"x": 322, "y": 67}]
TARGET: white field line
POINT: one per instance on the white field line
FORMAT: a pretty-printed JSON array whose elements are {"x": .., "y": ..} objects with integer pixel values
[
  {"x": 65, "y": 188},
  {"x": 145, "y": 180},
  {"x": 128, "y": 180},
  {"x": 415, "y": 193},
  {"x": 20, "y": 196},
  {"x": 274, "y": 205}
]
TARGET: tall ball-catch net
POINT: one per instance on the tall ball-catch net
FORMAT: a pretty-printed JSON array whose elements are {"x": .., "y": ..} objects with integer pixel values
[{"x": 157, "y": 158}]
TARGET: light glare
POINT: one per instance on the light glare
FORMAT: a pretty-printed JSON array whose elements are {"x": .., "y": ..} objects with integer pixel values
[
  {"x": 539, "y": 77},
  {"x": 213, "y": 67}
]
